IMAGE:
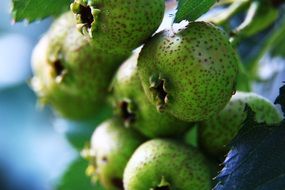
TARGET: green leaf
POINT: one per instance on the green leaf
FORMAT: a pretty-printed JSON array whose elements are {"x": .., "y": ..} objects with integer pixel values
[
  {"x": 75, "y": 178},
  {"x": 260, "y": 15},
  {"x": 256, "y": 159},
  {"x": 192, "y": 9},
  {"x": 32, "y": 10}
]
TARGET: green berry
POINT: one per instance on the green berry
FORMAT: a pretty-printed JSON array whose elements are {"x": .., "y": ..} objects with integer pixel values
[
  {"x": 217, "y": 132},
  {"x": 167, "y": 165},
  {"x": 190, "y": 74},
  {"x": 111, "y": 147},
  {"x": 70, "y": 74},
  {"x": 134, "y": 108},
  {"x": 118, "y": 25}
]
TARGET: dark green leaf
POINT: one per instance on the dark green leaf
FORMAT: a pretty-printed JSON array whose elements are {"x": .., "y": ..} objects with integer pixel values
[
  {"x": 32, "y": 10},
  {"x": 75, "y": 179},
  {"x": 277, "y": 44},
  {"x": 192, "y": 9},
  {"x": 278, "y": 49},
  {"x": 281, "y": 99},
  {"x": 256, "y": 159}
]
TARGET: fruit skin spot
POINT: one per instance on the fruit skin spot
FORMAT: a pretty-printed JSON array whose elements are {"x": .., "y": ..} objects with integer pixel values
[
  {"x": 217, "y": 132},
  {"x": 199, "y": 66}
]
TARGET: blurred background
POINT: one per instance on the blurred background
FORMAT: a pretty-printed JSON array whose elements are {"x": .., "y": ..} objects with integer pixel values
[
  {"x": 34, "y": 150},
  {"x": 33, "y": 153}
]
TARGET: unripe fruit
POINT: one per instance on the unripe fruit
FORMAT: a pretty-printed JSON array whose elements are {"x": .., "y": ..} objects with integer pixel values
[
  {"x": 120, "y": 25},
  {"x": 70, "y": 73},
  {"x": 190, "y": 74},
  {"x": 167, "y": 165},
  {"x": 134, "y": 108},
  {"x": 217, "y": 132},
  {"x": 112, "y": 145}
]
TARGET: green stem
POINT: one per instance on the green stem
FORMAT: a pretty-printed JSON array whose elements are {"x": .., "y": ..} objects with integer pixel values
[
  {"x": 232, "y": 10},
  {"x": 260, "y": 16},
  {"x": 254, "y": 6}
]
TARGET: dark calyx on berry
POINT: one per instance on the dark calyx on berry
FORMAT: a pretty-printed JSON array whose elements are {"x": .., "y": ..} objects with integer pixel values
[
  {"x": 117, "y": 182},
  {"x": 159, "y": 93},
  {"x": 58, "y": 68},
  {"x": 86, "y": 15},
  {"x": 126, "y": 113}
]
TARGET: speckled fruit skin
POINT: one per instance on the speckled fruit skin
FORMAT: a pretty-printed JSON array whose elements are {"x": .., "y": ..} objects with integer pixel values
[
  {"x": 192, "y": 73},
  {"x": 133, "y": 106},
  {"x": 118, "y": 25},
  {"x": 70, "y": 74},
  {"x": 166, "y": 165},
  {"x": 112, "y": 145},
  {"x": 217, "y": 132}
]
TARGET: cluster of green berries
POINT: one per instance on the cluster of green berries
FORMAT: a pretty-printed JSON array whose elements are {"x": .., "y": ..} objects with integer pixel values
[{"x": 178, "y": 79}]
